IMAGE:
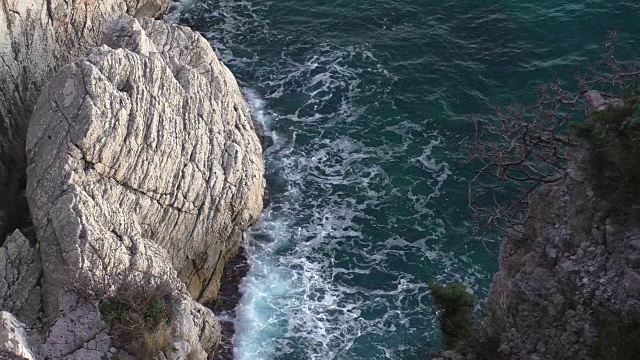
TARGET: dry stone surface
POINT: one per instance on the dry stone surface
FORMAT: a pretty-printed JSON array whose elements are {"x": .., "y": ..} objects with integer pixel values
[
  {"x": 14, "y": 341},
  {"x": 144, "y": 170},
  {"x": 569, "y": 267},
  {"x": 20, "y": 274},
  {"x": 37, "y": 37}
]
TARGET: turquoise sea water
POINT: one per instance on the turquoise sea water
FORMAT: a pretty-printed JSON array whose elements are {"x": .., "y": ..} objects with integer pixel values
[{"x": 368, "y": 105}]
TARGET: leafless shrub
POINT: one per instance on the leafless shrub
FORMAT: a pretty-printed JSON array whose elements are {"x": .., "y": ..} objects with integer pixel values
[
  {"x": 523, "y": 147},
  {"x": 611, "y": 76}
]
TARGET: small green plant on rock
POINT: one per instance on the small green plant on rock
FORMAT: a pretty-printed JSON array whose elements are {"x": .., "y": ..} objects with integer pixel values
[
  {"x": 613, "y": 135},
  {"x": 455, "y": 314},
  {"x": 141, "y": 320}
]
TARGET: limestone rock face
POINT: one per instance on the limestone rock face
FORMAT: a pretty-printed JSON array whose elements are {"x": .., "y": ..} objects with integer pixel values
[
  {"x": 37, "y": 37},
  {"x": 144, "y": 169},
  {"x": 14, "y": 342},
  {"x": 20, "y": 272}
]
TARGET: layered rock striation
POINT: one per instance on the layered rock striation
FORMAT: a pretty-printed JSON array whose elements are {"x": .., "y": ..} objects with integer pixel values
[
  {"x": 151, "y": 138},
  {"x": 21, "y": 275}
]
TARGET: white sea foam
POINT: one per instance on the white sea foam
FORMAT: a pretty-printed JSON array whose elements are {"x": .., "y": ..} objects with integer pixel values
[
  {"x": 176, "y": 9},
  {"x": 295, "y": 303}
]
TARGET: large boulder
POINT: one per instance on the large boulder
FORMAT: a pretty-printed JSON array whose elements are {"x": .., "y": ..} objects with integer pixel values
[
  {"x": 144, "y": 169},
  {"x": 37, "y": 37}
]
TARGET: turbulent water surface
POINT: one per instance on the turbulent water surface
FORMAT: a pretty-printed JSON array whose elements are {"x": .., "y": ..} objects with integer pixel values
[{"x": 368, "y": 105}]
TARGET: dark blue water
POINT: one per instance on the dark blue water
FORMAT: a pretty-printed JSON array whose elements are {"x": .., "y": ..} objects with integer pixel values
[{"x": 368, "y": 103}]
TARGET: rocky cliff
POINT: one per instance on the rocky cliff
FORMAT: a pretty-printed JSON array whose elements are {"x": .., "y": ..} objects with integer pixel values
[
  {"x": 568, "y": 287},
  {"x": 143, "y": 170},
  {"x": 571, "y": 270}
]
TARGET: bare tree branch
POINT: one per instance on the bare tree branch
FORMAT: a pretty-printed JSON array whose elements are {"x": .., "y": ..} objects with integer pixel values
[{"x": 524, "y": 147}]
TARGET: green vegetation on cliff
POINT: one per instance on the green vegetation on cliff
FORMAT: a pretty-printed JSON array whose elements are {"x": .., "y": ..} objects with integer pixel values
[
  {"x": 618, "y": 339},
  {"x": 570, "y": 168},
  {"x": 455, "y": 315},
  {"x": 140, "y": 320},
  {"x": 613, "y": 138}
]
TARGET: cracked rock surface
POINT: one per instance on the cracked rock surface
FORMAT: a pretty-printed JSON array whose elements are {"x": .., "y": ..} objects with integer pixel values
[
  {"x": 37, "y": 37},
  {"x": 79, "y": 333},
  {"x": 20, "y": 274},
  {"x": 143, "y": 169},
  {"x": 14, "y": 341}
]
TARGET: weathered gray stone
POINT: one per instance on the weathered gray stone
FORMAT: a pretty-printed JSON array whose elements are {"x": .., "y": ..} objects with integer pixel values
[
  {"x": 14, "y": 342},
  {"x": 551, "y": 252},
  {"x": 166, "y": 139},
  {"x": 632, "y": 283},
  {"x": 594, "y": 101},
  {"x": 37, "y": 37},
  {"x": 143, "y": 161},
  {"x": 79, "y": 333},
  {"x": 20, "y": 272},
  {"x": 634, "y": 245},
  {"x": 452, "y": 355}
]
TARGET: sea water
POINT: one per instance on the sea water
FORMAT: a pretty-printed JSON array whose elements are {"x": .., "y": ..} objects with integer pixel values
[{"x": 368, "y": 103}]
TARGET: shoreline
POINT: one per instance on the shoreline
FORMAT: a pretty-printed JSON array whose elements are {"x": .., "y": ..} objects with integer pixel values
[{"x": 228, "y": 298}]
